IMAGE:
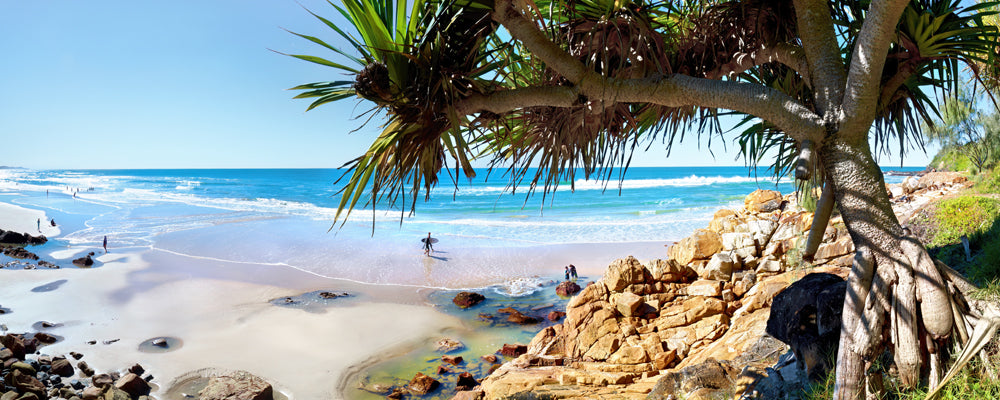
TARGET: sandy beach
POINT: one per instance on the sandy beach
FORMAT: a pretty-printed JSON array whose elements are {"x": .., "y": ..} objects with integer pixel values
[{"x": 220, "y": 312}]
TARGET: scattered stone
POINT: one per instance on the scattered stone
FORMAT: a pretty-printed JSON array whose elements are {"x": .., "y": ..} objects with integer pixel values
[
  {"x": 452, "y": 360},
  {"x": 442, "y": 370},
  {"x": 465, "y": 382},
  {"x": 62, "y": 367},
  {"x": 556, "y": 315},
  {"x": 513, "y": 350},
  {"x": 447, "y": 345},
  {"x": 422, "y": 384},
  {"x": 84, "y": 261},
  {"x": 45, "y": 338},
  {"x": 492, "y": 358},
  {"x": 85, "y": 369},
  {"x": 136, "y": 369},
  {"x": 111, "y": 341},
  {"x": 516, "y": 317},
  {"x": 132, "y": 384},
  {"x": 75, "y": 355},
  {"x": 161, "y": 342},
  {"x": 238, "y": 385},
  {"x": 468, "y": 299},
  {"x": 567, "y": 288}
]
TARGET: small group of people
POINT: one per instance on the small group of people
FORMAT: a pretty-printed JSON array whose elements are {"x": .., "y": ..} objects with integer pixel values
[{"x": 571, "y": 272}]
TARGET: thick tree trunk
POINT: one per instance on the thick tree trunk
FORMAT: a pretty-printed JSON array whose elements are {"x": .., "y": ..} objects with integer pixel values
[{"x": 864, "y": 205}]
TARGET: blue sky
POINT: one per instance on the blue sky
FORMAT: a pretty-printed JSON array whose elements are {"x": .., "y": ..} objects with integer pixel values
[{"x": 187, "y": 84}]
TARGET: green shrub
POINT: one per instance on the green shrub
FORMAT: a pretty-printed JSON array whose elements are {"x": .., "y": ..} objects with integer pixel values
[
  {"x": 950, "y": 159},
  {"x": 988, "y": 182},
  {"x": 970, "y": 216}
]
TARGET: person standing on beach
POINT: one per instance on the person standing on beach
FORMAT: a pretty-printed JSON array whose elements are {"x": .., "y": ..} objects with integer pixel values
[
  {"x": 428, "y": 247},
  {"x": 572, "y": 271},
  {"x": 567, "y": 273},
  {"x": 105, "y": 244},
  {"x": 39, "y": 224}
]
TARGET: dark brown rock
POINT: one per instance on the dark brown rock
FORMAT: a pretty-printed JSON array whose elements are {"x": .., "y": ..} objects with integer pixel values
[
  {"x": 133, "y": 385},
  {"x": 490, "y": 358},
  {"x": 422, "y": 384},
  {"x": 465, "y": 382},
  {"x": 45, "y": 338},
  {"x": 806, "y": 317},
  {"x": 84, "y": 261},
  {"x": 102, "y": 381},
  {"x": 25, "y": 383},
  {"x": 85, "y": 369},
  {"x": 136, "y": 369},
  {"x": 15, "y": 344},
  {"x": 556, "y": 315},
  {"x": 513, "y": 350},
  {"x": 62, "y": 367},
  {"x": 468, "y": 299},
  {"x": 517, "y": 317},
  {"x": 567, "y": 288},
  {"x": 452, "y": 360}
]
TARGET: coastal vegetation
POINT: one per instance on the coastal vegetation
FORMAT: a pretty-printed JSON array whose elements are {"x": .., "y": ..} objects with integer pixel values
[{"x": 577, "y": 87}]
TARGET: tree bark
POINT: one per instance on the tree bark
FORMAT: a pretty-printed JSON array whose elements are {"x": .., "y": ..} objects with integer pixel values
[{"x": 859, "y": 191}]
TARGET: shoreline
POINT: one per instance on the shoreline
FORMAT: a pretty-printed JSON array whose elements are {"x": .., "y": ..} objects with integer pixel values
[{"x": 220, "y": 308}]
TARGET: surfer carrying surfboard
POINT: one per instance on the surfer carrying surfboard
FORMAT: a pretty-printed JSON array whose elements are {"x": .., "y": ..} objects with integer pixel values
[{"x": 428, "y": 244}]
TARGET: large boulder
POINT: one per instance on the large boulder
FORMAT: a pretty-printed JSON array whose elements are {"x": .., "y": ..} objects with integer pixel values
[
  {"x": 701, "y": 245},
  {"x": 467, "y": 299},
  {"x": 761, "y": 201},
  {"x": 806, "y": 317},
  {"x": 240, "y": 385},
  {"x": 670, "y": 270},
  {"x": 25, "y": 383},
  {"x": 623, "y": 272},
  {"x": 719, "y": 267}
]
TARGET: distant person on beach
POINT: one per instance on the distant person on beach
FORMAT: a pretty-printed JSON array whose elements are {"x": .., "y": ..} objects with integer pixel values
[
  {"x": 572, "y": 271},
  {"x": 39, "y": 224},
  {"x": 105, "y": 244},
  {"x": 428, "y": 244},
  {"x": 567, "y": 273},
  {"x": 53, "y": 222}
]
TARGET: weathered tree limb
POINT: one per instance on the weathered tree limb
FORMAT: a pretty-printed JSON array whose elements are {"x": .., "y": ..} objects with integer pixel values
[
  {"x": 905, "y": 328},
  {"x": 671, "y": 90},
  {"x": 786, "y": 54},
  {"x": 868, "y": 334},
  {"x": 864, "y": 77},
  {"x": 819, "y": 40},
  {"x": 821, "y": 218},
  {"x": 935, "y": 303}
]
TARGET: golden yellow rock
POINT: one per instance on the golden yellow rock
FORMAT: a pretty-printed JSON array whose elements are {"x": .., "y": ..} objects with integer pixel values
[
  {"x": 701, "y": 245},
  {"x": 762, "y": 201}
]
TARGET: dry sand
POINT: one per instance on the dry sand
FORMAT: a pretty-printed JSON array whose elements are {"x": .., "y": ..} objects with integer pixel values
[{"x": 219, "y": 310}]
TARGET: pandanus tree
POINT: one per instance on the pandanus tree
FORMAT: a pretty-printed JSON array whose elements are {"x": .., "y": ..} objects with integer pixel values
[{"x": 548, "y": 89}]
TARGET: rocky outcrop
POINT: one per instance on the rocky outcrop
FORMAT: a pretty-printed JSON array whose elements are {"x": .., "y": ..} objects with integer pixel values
[
  {"x": 693, "y": 325},
  {"x": 20, "y": 239}
]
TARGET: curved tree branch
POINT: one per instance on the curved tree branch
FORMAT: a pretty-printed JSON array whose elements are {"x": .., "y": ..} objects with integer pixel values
[
  {"x": 820, "y": 44},
  {"x": 865, "y": 75},
  {"x": 784, "y": 53},
  {"x": 505, "y": 101},
  {"x": 673, "y": 90}
]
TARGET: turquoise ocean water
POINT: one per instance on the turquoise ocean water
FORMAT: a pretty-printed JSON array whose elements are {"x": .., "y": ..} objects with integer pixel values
[{"x": 284, "y": 217}]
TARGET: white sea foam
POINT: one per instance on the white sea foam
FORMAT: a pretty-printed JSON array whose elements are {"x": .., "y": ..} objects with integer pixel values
[{"x": 519, "y": 287}]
